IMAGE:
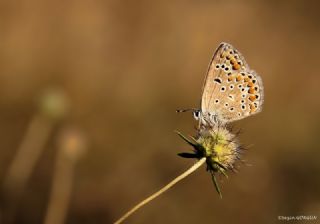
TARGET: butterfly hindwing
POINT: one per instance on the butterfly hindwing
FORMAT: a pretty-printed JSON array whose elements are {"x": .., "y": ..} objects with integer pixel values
[{"x": 231, "y": 90}]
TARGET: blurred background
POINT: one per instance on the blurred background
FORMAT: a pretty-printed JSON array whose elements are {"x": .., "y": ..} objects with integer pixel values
[{"x": 118, "y": 71}]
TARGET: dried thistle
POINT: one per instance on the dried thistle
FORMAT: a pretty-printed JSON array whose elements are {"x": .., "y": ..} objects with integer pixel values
[{"x": 218, "y": 146}]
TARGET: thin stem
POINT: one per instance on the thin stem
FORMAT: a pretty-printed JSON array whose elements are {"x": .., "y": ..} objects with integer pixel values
[
  {"x": 162, "y": 190},
  {"x": 23, "y": 164},
  {"x": 28, "y": 154},
  {"x": 61, "y": 189},
  {"x": 71, "y": 146}
]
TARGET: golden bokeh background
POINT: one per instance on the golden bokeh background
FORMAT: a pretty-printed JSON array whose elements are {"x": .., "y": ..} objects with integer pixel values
[{"x": 125, "y": 67}]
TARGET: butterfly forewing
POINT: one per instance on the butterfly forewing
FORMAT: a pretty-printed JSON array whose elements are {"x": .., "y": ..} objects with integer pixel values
[{"x": 231, "y": 90}]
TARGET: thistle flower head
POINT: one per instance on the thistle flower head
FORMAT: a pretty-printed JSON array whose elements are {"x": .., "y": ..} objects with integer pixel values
[
  {"x": 73, "y": 143},
  {"x": 218, "y": 145},
  {"x": 53, "y": 103}
]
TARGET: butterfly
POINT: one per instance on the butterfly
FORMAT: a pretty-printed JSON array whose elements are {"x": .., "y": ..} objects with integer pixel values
[{"x": 231, "y": 90}]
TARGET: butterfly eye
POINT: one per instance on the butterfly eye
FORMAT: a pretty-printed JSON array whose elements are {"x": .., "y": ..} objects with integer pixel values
[{"x": 196, "y": 114}]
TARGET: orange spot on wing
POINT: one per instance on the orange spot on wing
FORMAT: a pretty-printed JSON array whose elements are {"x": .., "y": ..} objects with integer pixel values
[
  {"x": 246, "y": 79},
  {"x": 239, "y": 77},
  {"x": 236, "y": 66},
  {"x": 231, "y": 77},
  {"x": 251, "y": 90},
  {"x": 250, "y": 84},
  {"x": 252, "y": 98},
  {"x": 252, "y": 108}
]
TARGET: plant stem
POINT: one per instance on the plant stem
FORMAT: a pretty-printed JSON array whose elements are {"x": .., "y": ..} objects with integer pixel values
[
  {"x": 71, "y": 147},
  {"x": 162, "y": 190},
  {"x": 28, "y": 154},
  {"x": 61, "y": 189}
]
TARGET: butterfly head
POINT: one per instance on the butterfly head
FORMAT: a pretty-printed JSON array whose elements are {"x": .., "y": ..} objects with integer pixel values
[{"x": 196, "y": 114}]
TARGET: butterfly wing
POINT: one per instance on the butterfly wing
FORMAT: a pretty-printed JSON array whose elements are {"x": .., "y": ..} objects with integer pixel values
[{"x": 231, "y": 90}]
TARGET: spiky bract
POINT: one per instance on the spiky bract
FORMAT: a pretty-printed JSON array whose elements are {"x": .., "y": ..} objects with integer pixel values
[{"x": 218, "y": 145}]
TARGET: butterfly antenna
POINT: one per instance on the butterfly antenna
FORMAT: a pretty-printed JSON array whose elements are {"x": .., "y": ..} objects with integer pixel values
[{"x": 186, "y": 110}]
